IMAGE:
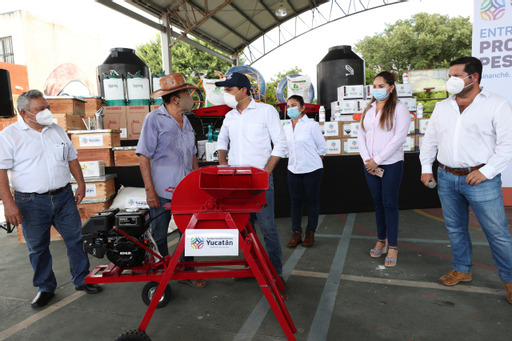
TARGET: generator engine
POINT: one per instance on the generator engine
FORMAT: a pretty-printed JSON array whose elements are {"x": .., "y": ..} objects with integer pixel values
[{"x": 101, "y": 238}]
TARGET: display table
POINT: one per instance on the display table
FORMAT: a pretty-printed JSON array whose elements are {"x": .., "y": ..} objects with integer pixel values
[{"x": 343, "y": 189}]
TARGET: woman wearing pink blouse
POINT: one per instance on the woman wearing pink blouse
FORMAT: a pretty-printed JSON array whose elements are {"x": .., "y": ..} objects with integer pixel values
[{"x": 384, "y": 126}]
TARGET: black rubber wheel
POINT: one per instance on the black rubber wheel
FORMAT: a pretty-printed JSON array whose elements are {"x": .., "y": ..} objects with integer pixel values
[
  {"x": 150, "y": 289},
  {"x": 133, "y": 335}
]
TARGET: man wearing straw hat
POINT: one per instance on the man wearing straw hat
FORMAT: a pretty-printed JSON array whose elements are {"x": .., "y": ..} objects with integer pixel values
[{"x": 167, "y": 153}]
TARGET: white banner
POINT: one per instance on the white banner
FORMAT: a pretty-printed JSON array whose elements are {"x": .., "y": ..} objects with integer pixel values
[
  {"x": 211, "y": 242},
  {"x": 492, "y": 44}
]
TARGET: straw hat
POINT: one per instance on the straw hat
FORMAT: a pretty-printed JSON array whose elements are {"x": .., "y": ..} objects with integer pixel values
[{"x": 172, "y": 83}]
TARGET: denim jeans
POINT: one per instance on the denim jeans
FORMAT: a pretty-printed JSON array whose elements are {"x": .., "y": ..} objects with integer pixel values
[
  {"x": 39, "y": 213},
  {"x": 159, "y": 228},
  {"x": 269, "y": 229},
  {"x": 305, "y": 186},
  {"x": 486, "y": 199},
  {"x": 385, "y": 198}
]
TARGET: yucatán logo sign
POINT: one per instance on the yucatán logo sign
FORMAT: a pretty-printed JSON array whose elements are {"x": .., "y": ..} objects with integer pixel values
[{"x": 211, "y": 242}]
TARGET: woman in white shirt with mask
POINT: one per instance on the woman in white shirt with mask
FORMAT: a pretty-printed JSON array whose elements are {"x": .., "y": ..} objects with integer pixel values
[{"x": 306, "y": 148}]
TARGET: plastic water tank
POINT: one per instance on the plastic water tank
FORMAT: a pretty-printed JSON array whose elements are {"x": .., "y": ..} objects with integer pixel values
[
  {"x": 122, "y": 60},
  {"x": 340, "y": 66}
]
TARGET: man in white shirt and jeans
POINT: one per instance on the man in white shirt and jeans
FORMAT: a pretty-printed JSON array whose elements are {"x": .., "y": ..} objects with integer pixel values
[
  {"x": 249, "y": 129},
  {"x": 39, "y": 158},
  {"x": 471, "y": 133}
]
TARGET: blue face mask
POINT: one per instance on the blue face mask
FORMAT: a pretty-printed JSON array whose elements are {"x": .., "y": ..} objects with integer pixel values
[
  {"x": 293, "y": 112},
  {"x": 380, "y": 94}
]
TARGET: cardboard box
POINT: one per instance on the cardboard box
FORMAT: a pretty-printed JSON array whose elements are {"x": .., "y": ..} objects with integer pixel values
[
  {"x": 89, "y": 207},
  {"x": 350, "y": 129},
  {"x": 410, "y": 102},
  {"x": 350, "y": 91},
  {"x": 98, "y": 187},
  {"x": 115, "y": 119},
  {"x": 69, "y": 122},
  {"x": 93, "y": 168},
  {"x": 368, "y": 91},
  {"x": 404, "y": 90},
  {"x": 332, "y": 130},
  {"x": 422, "y": 125},
  {"x": 153, "y": 107},
  {"x": 348, "y": 106},
  {"x": 135, "y": 116},
  {"x": 91, "y": 139},
  {"x": 412, "y": 127},
  {"x": 66, "y": 105},
  {"x": 419, "y": 141},
  {"x": 350, "y": 146},
  {"x": 333, "y": 147},
  {"x": 125, "y": 156},
  {"x": 211, "y": 151},
  {"x": 362, "y": 104},
  {"x": 410, "y": 144},
  {"x": 105, "y": 154}
]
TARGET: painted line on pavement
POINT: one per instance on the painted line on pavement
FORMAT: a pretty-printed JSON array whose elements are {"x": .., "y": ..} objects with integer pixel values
[
  {"x": 253, "y": 322},
  {"x": 41, "y": 314},
  {"x": 322, "y": 319}
]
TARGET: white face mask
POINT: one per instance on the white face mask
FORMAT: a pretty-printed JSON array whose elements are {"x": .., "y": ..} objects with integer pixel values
[
  {"x": 44, "y": 117},
  {"x": 455, "y": 85},
  {"x": 230, "y": 100}
]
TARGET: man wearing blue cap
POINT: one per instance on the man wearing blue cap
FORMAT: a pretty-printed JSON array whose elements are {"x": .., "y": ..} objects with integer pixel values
[{"x": 250, "y": 129}]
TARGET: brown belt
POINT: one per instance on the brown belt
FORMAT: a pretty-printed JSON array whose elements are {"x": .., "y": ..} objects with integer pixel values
[
  {"x": 460, "y": 171},
  {"x": 54, "y": 191}
]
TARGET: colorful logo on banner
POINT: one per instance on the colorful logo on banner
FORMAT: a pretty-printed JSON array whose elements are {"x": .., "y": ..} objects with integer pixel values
[
  {"x": 197, "y": 243},
  {"x": 492, "y": 10}
]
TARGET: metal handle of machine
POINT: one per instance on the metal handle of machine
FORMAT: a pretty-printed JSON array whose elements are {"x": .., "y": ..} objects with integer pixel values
[{"x": 7, "y": 226}]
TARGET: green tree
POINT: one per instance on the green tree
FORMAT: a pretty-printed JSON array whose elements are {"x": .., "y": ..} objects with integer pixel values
[
  {"x": 426, "y": 41},
  {"x": 185, "y": 59},
  {"x": 271, "y": 95}
]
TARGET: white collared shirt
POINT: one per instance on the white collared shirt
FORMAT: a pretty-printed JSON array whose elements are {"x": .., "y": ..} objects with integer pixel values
[
  {"x": 305, "y": 146},
  {"x": 36, "y": 161},
  {"x": 481, "y": 134},
  {"x": 249, "y": 135}
]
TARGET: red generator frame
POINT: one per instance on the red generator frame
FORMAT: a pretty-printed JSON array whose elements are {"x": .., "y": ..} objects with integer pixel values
[{"x": 214, "y": 197}]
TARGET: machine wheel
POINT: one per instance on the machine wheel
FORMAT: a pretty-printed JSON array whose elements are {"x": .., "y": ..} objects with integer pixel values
[
  {"x": 133, "y": 335},
  {"x": 150, "y": 289}
]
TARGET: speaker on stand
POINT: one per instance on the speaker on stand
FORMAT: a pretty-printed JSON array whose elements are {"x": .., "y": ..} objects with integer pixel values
[{"x": 6, "y": 103}]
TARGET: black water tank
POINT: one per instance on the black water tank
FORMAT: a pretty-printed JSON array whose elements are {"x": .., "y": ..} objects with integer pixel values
[
  {"x": 340, "y": 66},
  {"x": 122, "y": 60},
  {"x": 6, "y": 104}
]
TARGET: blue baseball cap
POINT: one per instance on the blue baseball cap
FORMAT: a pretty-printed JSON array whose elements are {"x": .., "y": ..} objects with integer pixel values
[{"x": 236, "y": 79}]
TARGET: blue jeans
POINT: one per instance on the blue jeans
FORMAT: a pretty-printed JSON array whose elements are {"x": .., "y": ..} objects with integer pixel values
[
  {"x": 305, "y": 186},
  {"x": 486, "y": 199},
  {"x": 269, "y": 229},
  {"x": 159, "y": 228},
  {"x": 39, "y": 213},
  {"x": 385, "y": 198}
]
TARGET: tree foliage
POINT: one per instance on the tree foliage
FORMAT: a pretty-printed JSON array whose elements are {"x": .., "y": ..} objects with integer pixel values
[
  {"x": 427, "y": 41},
  {"x": 271, "y": 95},
  {"x": 185, "y": 59}
]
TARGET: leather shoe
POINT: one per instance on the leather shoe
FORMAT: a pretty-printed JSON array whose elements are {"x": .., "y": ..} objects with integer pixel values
[
  {"x": 454, "y": 277},
  {"x": 42, "y": 298},
  {"x": 309, "y": 240},
  {"x": 296, "y": 239},
  {"x": 89, "y": 288},
  {"x": 508, "y": 287}
]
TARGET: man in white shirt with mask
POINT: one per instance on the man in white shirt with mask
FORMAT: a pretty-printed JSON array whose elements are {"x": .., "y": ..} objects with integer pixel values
[
  {"x": 249, "y": 130},
  {"x": 37, "y": 156},
  {"x": 471, "y": 133}
]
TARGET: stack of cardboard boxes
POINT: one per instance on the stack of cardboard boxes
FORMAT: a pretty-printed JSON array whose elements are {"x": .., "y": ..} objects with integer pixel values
[{"x": 341, "y": 134}]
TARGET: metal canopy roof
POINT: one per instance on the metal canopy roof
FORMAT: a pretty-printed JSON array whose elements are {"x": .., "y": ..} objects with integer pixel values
[{"x": 235, "y": 27}]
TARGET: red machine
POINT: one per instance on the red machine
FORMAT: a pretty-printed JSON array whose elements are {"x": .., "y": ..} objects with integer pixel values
[{"x": 217, "y": 197}]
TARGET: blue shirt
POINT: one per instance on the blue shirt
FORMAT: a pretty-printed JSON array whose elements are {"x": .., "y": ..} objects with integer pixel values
[{"x": 169, "y": 149}]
